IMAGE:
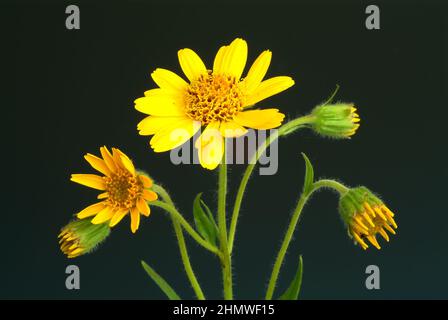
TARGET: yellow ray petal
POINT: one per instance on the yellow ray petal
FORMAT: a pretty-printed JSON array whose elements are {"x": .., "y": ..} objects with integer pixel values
[
  {"x": 191, "y": 64},
  {"x": 234, "y": 59},
  {"x": 149, "y": 195},
  {"x": 168, "y": 80},
  {"x": 159, "y": 91},
  {"x": 142, "y": 206},
  {"x": 384, "y": 234},
  {"x": 260, "y": 119},
  {"x": 91, "y": 210},
  {"x": 123, "y": 161},
  {"x": 135, "y": 219},
  {"x": 388, "y": 212},
  {"x": 269, "y": 88},
  {"x": 219, "y": 58},
  {"x": 388, "y": 228},
  {"x": 392, "y": 222},
  {"x": 360, "y": 223},
  {"x": 359, "y": 229},
  {"x": 360, "y": 241},
  {"x": 369, "y": 209},
  {"x": 147, "y": 182},
  {"x": 257, "y": 72},
  {"x": 380, "y": 214},
  {"x": 174, "y": 135},
  {"x": 150, "y": 125},
  {"x": 373, "y": 241},
  {"x": 97, "y": 164},
  {"x": 116, "y": 155},
  {"x": 161, "y": 105},
  {"x": 117, "y": 217},
  {"x": 232, "y": 129},
  {"x": 89, "y": 180},
  {"x": 103, "y": 195},
  {"x": 108, "y": 159},
  {"x": 76, "y": 252},
  {"x": 103, "y": 215},
  {"x": 210, "y": 146},
  {"x": 368, "y": 219}
]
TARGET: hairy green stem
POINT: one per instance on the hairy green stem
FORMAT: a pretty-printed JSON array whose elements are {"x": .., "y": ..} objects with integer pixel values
[
  {"x": 325, "y": 183},
  {"x": 226, "y": 261},
  {"x": 186, "y": 260},
  {"x": 285, "y": 129},
  {"x": 182, "y": 245},
  {"x": 178, "y": 217},
  {"x": 331, "y": 184}
]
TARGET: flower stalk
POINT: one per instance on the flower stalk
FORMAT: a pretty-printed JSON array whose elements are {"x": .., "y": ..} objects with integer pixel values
[
  {"x": 226, "y": 262},
  {"x": 325, "y": 183},
  {"x": 182, "y": 245}
]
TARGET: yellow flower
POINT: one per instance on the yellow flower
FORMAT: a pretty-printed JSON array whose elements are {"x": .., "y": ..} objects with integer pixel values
[
  {"x": 216, "y": 99},
  {"x": 365, "y": 216},
  {"x": 367, "y": 224},
  {"x": 125, "y": 190}
]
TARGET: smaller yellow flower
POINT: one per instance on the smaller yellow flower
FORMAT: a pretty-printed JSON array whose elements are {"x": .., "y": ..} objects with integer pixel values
[
  {"x": 125, "y": 190},
  {"x": 80, "y": 237},
  {"x": 365, "y": 216}
]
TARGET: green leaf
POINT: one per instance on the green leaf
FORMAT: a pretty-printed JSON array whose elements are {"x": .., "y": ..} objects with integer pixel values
[
  {"x": 163, "y": 285},
  {"x": 292, "y": 293},
  {"x": 309, "y": 175},
  {"x": 204, "y": 221}
]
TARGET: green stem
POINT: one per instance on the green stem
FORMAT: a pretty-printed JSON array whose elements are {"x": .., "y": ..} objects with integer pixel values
[
  {"x": 182, "y": 245},
  {"x": 285, "y": 129},
  {"x": 332, "y": 184},
  {"x": 285, "y": 245},
  {"x": 178, "y": 217},
  {"x": 325, "y": 183},
  {"x": 186, "y": 260},
  {"x": 226, "y": 262}
]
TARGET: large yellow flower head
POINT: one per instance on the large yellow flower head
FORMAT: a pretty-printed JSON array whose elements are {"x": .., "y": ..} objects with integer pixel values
[
  {"x": 216, "y": 99},
  {"x": 124, "y": 189}
]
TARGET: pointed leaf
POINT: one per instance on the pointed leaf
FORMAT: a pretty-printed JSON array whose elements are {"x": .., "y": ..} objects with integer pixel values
[
  {"x": 163, "y": 285},
  {"x": 292, "y": 293},
  {"x": 203, "y": 219},
  {"x": 209, "y": 214},
  {"x": 309, "y": 175}
]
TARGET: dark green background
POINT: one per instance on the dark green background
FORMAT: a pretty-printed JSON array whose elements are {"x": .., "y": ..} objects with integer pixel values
[{"x": 73, "y": 91}]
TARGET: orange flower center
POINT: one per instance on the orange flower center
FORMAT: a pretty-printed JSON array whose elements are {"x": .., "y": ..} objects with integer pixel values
[
  {"x": 213, "y": 98},
  {"x": 123, "y": 189}
]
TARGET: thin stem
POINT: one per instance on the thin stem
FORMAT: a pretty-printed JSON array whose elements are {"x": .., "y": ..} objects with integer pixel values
[
  {"x": 182, "y": 245},
  {"x": 186, "y": 260},
  {"x": 176, "y": 215},
  {"x": 332, "y": 184},
  {"x": 284, "y": 247},
  {"x": 222, "y": 227},
  {"x": 324, "y": 183},
  {"x": 287, "y": 128}
]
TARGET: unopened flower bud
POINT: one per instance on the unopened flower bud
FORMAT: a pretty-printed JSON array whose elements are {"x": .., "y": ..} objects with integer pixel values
[
  {"x": 336, "y": 120},
  {"x": 81, "y": 236}
]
